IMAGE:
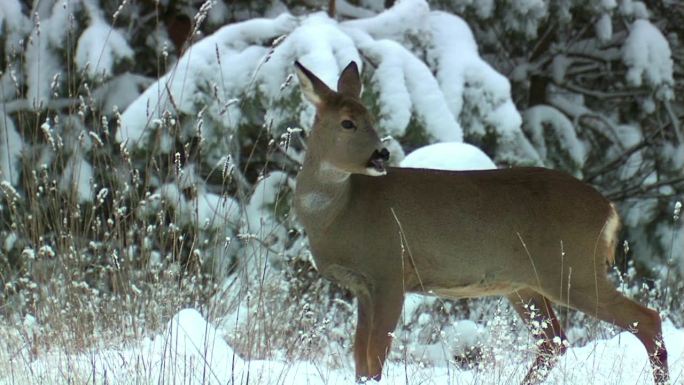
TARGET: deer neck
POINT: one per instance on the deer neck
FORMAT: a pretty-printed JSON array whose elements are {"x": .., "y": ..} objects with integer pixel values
[{"x": 321, "y": 194}]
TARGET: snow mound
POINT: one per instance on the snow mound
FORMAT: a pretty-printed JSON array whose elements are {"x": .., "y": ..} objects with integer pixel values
[
  {"x": 449, "y": 156},
  {"x": 194, "y": 346}
]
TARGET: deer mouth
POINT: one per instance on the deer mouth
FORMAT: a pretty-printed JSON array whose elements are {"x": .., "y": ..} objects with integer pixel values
[{"x": 376, "y": 163}]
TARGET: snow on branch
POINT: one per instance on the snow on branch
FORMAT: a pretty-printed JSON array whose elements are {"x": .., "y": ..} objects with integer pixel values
[
  {"x": 12, "y": 20},
  {"x": 405, "y": 84},
  {"x": 539, "y": 118},
  {"x": 224, "y": 61},
  {"x": 319, "y": 44},
  {"x": 462, "y": 73},
  {"x": 46, "y": 37},
  {"x": 77, "y": 178},
  {"x": 647, "y": 54},
  {"x": 408, "y": 17},
  {"x": 99, "y": 47},
  {"x": 437, "y": 77}
]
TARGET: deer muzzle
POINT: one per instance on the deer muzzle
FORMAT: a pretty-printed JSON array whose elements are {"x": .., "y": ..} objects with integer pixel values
[{"x": 376, "y": 163}]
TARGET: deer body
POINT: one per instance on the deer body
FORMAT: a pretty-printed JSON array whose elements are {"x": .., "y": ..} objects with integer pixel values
[
  {"x": 470, "y": 236},
  {"x": 531, "y": 234}
]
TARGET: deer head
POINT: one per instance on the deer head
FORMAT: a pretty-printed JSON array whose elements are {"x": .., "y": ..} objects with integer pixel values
[{"x": 344, "y": 129}]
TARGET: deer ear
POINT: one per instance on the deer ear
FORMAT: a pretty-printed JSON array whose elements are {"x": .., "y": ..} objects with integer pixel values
[
  {"x": 313, "y": 88},
  {"x": 349, "y": 83}
]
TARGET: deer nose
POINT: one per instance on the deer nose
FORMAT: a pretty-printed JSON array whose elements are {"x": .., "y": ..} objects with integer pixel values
[{"x": 383, "y": 154}]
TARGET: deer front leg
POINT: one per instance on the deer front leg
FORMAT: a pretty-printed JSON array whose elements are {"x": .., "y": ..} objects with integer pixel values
[
  {"x": 363, "y": 326},
  {"x": 536, "y": 311},
  {"x": 387, "y": 304}
]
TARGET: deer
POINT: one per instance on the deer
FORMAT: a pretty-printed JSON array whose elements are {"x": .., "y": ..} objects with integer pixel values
[{"x": 534, "y": 235}]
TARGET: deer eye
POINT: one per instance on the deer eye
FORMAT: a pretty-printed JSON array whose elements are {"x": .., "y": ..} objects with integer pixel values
[{"x": 348, "y": 124}]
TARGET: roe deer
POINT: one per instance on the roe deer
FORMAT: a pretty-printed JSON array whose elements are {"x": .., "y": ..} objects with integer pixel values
[{"x": 534, "y": 235}]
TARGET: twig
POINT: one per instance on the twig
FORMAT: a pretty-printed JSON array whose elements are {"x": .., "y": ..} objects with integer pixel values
[
  {"x": 603, "y": 95},
  {"x": 640, "y": 188},
  {"x": 605, "y": 121},
  {"x": 620, "y": 159},
  {"x": 52, "y": 104},
  {"x": 331, "y": 9},
  {"x": 675, "y": 122}
]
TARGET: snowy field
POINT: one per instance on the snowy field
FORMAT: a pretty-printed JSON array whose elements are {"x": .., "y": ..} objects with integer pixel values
[{"x": 192, "y": 351}]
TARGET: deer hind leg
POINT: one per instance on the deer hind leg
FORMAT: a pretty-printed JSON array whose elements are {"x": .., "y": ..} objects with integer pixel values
[
  {"x": 607, "y": 304},
  {"x": 536, "y": 311}
]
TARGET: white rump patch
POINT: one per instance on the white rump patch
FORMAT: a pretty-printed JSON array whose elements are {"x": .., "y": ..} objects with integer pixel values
[{"x": 610, "y": 231}]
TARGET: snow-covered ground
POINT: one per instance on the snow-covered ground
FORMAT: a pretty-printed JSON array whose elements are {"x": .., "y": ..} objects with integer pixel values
[{"x": 192, "y": 351}]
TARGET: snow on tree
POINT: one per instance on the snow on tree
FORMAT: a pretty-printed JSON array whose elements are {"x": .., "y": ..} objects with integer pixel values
[
  {"x": 248, "y": 66},
  {"x": 596, "y": 86},
  {"x": 647, "y": 54},
  {"x": 94, "y": 57},
  {"x": 568, "y": 152}
]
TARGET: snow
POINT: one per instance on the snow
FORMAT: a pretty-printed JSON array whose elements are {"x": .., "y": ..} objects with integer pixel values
[
  {"x": 206, "y": 210},
  {"x": 11, "y": 147},
  {"x": 77, "y": 178},
  {"x": 636, "y": 9},
  {"x": 99, "y": 47},
  {"x": 215, "y": 212},
  {"x": 319, "y": 45},
  {"x": 58, "y": 25},
  {"x": 264, "y": 234},
  {"x": 526, "y": 15},
  {"x": 540, "y": 117},
  {"x": 559, "y": 67},
  {"x": 449, "y": 156},
  {"x": 647, "y": 54},
  {"x": 406, "y": 86},
  {"x": 344, "y": 8},
  {"x": 12, "y": 20},
  {"x": 604, "y": 28},
  {"x": 406, "y": 17},
  {"x": 454, "y": 52},
  {"x": 399, "y": 71},
  {"x": 628, "y": 136},
  {"x": 42, "y": 65},
  {"x": 229, "y": 52},
  {"x": 120, "y": 91},
  {"x": 193, "y": 351},
  {"x": 425, "y": 69}
]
